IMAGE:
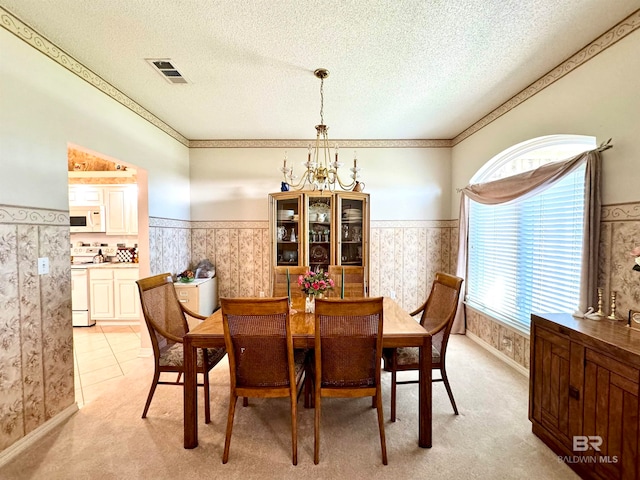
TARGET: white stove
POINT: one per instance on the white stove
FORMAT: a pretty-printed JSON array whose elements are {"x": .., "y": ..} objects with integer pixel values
[{"x": 82, "y": 257}]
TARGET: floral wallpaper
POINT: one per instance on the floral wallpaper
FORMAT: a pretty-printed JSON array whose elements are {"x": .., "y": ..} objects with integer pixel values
[
  {"x": 36, "y": 337},
  {"x": 404, "y": 255}
]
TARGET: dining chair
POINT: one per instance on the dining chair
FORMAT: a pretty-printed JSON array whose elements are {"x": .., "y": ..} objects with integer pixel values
[
  {"x": 348, "y": 348},
  {"x": 166, "y": 320},
  {"x": 354, "y": 285},
  {"x": 438, "y": 313},
  {"x": 262, "y": 362},
  {"x": 279, "y": 287}
]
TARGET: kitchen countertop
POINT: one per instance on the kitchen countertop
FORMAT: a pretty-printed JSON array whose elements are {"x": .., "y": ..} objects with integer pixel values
[{"x": 106, "y": 265}]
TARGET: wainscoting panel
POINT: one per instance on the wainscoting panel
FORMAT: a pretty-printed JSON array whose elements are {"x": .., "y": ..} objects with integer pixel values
[
  {"x": 36, "y": 336},
  {"x": 620, "y": 233},
  {"x": 404, "y": 256}
]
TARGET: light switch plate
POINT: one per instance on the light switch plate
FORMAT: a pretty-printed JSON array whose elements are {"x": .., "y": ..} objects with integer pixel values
[{"x": 43, "y": 265}]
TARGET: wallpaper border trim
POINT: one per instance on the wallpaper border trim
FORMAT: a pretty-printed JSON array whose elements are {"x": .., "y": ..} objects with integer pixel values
[
  {"x": 621, "y": 212},
  {"x": 11, "y": 214}
]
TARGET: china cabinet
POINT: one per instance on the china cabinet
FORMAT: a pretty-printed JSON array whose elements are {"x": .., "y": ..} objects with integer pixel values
[{"x": 319, "y": 229}]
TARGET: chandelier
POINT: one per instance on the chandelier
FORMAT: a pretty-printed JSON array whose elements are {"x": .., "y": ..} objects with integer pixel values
[{"x": 321, "y": 173}]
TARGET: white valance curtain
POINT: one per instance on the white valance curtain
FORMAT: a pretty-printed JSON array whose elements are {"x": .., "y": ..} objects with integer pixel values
[{"x": 530, "y": 183}]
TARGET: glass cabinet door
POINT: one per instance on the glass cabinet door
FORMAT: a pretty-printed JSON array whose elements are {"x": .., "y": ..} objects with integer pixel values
[
  {"x": 286, "y": 211},
  {"x": 352, "y": 223},
  {"x": 319, "y": 231}
]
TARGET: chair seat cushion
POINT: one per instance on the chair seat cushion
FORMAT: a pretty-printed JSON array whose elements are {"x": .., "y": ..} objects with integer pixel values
[
  {"x": 411, "y": 355},
  {"x": 173, "y": 356}
]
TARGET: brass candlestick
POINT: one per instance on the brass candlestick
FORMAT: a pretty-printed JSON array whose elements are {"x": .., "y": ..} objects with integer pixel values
[
  {"x": 613, "y": 307},
  {"x": 600, "y": 312}
]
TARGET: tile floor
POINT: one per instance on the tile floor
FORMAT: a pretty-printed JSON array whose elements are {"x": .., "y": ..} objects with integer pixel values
[{"x": 103, "y": 353}]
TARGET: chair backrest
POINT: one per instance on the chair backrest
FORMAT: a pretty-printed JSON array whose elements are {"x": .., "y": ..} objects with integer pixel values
[
  {"x": 348, "y": 342},
  {"x": 162, "y": 312},
  {"x": 440, "y": 309},
  {"x": 353, "y": 281},
  {"x": 279, "y": 286},
  {"x": 257, "y": 333}
]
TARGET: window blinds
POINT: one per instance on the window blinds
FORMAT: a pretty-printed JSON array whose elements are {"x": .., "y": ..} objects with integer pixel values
[{"x": 524, "y": 257}]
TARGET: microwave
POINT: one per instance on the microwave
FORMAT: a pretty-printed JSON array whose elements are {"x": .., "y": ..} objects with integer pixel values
[{"x": 87, "y": 219}]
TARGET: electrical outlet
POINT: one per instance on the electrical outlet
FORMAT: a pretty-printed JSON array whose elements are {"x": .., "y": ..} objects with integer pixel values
[{"x": 43, "y": 265}]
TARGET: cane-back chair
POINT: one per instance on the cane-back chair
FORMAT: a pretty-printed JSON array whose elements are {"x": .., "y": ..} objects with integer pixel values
[
  {"x": 348, "y": 348},
  {"x": 437, "y": 316},
  {"x": 262, "y": 362},
  {"x": 280, "y": 281},
  {"x": 354, "y": 285},
  {"x": 167, "y": 323}
]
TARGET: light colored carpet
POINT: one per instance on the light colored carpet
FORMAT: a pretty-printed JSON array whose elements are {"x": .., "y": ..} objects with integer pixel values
[{"x": 491, "y": 438}]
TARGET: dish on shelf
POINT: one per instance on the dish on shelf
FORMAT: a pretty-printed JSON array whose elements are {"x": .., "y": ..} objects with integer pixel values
[
  {"x": 320, "y": 212},
  {"x": 285, "y": 214},
  {"x": 318, "y": 254},
  {"x": 290, "y": 256}
]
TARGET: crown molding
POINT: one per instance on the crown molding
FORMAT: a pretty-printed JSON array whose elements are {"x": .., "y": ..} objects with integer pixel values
[
  {"x": 612, "y": 36},
  {"x": 14, "y": 25},
  {"x": 305, "y": 143},
  {"x": 21, "y": 30}
]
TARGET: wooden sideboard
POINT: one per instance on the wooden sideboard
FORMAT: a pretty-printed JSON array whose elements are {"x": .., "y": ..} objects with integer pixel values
[{"x": 583, "y": 393}]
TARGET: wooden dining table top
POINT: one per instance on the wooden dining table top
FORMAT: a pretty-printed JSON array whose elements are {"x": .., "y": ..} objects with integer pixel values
[{"x": 399, "y": 328}]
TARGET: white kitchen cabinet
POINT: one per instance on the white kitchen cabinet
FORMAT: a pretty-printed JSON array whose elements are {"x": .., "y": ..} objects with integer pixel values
[
  {"x": 101, "y": 294},
  {"x": 199, "y": 296},
  {"x": 85, "y": 196},
  {"x": 126, "y": 299},
  {"x": 121, "y": 204},
  {"x": 113, "y": 293}
]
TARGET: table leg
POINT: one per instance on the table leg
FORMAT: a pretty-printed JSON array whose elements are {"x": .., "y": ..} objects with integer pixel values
[
  {"x": 424, "y": 430},
  {"x": 190, "y": 396}
]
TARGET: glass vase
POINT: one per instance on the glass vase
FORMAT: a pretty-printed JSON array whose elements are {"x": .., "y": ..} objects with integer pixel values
[{"x": 310, "y": 303}]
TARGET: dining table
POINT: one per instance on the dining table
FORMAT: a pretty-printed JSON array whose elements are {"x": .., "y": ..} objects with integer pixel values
[{"x": 399, "y": 330}]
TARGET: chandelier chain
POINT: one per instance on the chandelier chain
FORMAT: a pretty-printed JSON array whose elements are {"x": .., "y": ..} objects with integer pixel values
[{"x": 322, "y": 101}]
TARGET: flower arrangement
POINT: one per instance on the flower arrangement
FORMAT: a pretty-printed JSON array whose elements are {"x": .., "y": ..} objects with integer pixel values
[
  {"x": 314, "y": 283},
  {"x": 636, "y": 253}
]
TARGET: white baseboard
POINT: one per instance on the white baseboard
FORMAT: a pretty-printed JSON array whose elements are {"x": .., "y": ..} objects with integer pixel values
[
  {"x": 491, "y": 349},
  {"x": 12, "y": 451}
]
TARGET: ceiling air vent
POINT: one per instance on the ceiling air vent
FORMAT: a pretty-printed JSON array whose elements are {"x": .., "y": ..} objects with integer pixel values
[{"x": 167, "y": 70}]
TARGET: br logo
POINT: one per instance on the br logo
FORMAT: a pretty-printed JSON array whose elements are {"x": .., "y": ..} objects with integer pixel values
[{"x": 582, "y": 443}]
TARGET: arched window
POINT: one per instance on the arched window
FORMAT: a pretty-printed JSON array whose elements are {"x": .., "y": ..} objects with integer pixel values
[{"x": 524, "y": 256}]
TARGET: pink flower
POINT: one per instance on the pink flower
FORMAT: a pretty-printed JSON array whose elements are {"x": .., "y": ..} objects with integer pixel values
[{"x": 331, "y": 282}]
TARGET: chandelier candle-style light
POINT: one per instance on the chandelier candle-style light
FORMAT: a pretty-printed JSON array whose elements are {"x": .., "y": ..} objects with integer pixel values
[{"x": 321, "y": 173}]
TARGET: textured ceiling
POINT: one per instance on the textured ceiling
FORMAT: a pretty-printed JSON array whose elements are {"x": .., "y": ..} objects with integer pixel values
[{"x": 399, "y": 69}]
